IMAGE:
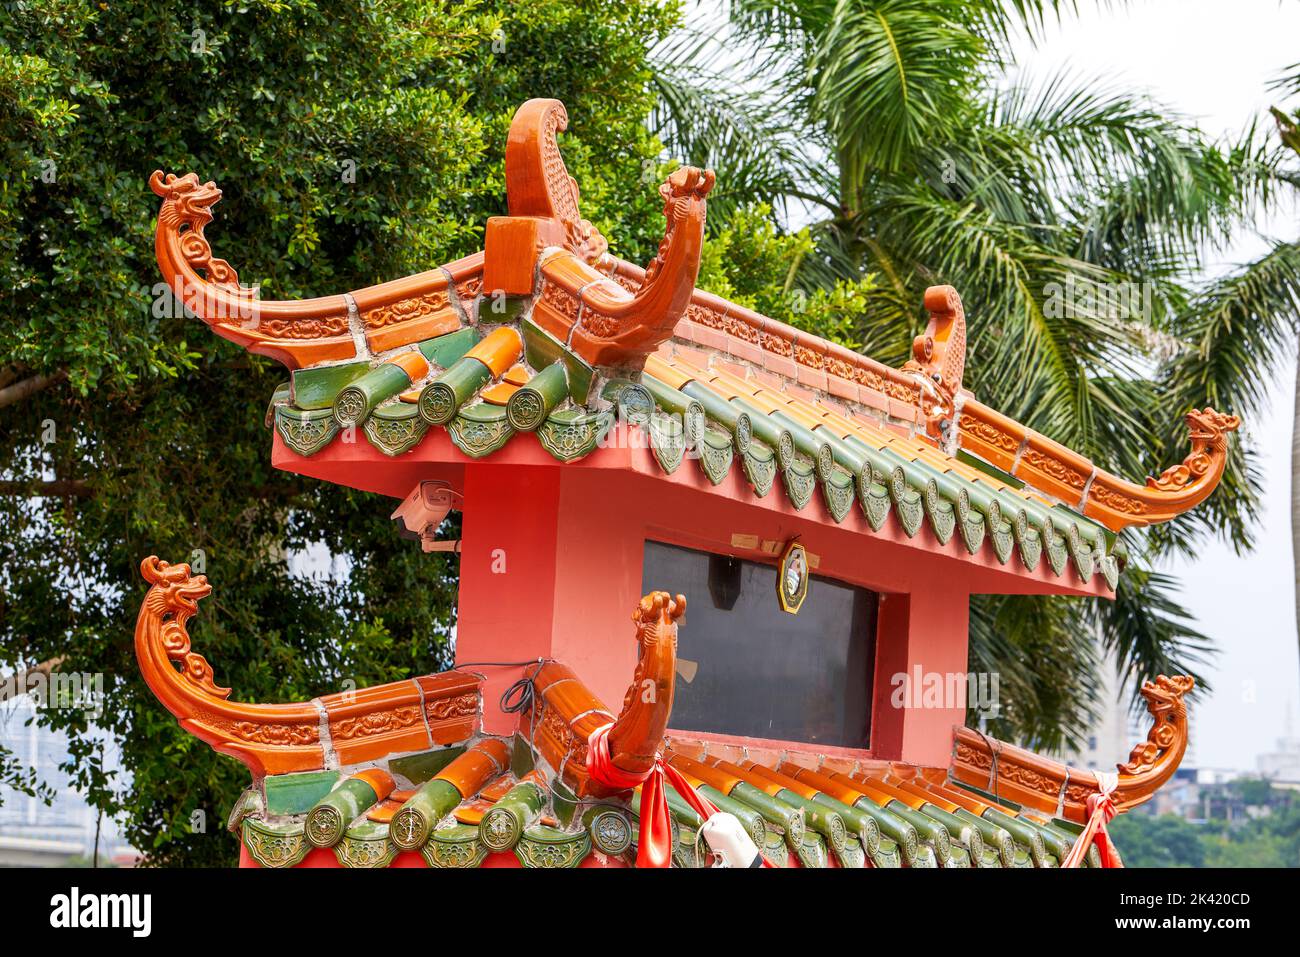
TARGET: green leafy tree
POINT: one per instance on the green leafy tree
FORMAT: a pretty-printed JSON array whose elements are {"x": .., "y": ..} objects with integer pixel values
[
  {"x": 886, "y": 127},
  {"x": 1148, "y": 840},
  {"x": 356, "y": 142}
]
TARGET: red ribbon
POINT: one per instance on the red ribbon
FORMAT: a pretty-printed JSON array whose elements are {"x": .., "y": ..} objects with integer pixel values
[
  {"x": 1101, "y": 810},
  {"x": 655, "y": 844}
]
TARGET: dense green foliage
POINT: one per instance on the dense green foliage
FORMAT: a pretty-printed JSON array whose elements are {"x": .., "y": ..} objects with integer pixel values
[{"x": 152, "y": 428}]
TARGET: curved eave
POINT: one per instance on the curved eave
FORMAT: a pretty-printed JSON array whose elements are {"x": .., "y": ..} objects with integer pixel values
[{"x": 1100, "y": 495}]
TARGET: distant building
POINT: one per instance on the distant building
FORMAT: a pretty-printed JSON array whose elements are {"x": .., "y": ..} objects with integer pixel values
[
  {"x": 1117, "y": 729},
  {"x": 1282, "y": 766},
  {"x": 33, "y": 833}
]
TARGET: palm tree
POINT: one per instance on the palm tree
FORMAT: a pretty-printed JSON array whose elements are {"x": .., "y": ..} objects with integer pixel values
[{"x": 885, "y": 125}]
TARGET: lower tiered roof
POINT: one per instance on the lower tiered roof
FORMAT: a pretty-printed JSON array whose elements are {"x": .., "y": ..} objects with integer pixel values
[{"x": 402, "y": 774}]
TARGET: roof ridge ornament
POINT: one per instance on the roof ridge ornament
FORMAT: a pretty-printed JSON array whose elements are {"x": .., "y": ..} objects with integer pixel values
[
  {"x": 939, "y": 359},
  {"x": 1054, "y": 787},
  {"x": 538, "y": 183},
  {"x": 561, "y": 732},
  {"x": 579, "y": 303},
  {"x": 1101, "y": 496},
  {"x": 411, "y": 715}
]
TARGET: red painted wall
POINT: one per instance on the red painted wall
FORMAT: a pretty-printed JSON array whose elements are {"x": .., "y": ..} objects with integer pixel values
[{"x": 551, "y": 565}]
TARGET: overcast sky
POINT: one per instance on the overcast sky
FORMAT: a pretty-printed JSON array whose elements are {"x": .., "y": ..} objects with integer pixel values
[{"x": 1212, "y": 60}]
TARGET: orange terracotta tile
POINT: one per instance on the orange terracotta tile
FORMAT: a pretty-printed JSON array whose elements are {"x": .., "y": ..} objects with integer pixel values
[
  {"x": 813, "y": 378},
  {"x": 743, "y": 349},
  {"x": 842, "y": 388},
  {"x": 414, "y": 364},
  {"x": 767, "y": 380},
  {"x": 517, "y": 374},
  {"x": 472, "y": 813},
  {"x": 383, "y": 812},
  {"x": 696, "y": 359},
  {"x": 799, "y": 392},
  {"x": 903, "y": 410},
  {"x": 670, "y": 373},
  {"x": 497, "y": 789},
  {"x": 897, "y": 429},
  {"x": 780, "y": 365},
  {"x": 713, "y": 338},
  {"x": 731, "y": 368},
  {"x": 414, "y": 330},
  {"x": 510, "y": 247},
  {"x": 372, "y": 723},
  {"x": 553, "y": 320},
  {"x": 499, "y": 350},
  {"x": 498, "y": 394},
  {"x": 873, "y": 399}
]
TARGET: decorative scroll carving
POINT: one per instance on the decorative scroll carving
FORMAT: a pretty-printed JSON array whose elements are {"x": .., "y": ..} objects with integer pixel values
[
  {"x": 941, "y": 352},
  {"x": 377, "y": 722},
  {"x": 539, "y": 185},
  {"x": 280, "y": 738},
  {"x": 174, "y": 600},
  {"x": 1024, "y": 777},
  {"x": 1209, "y": 434},
  {"x": 560, "y": 300},
  {"x": 1164, "y": 698},
  {"x": 938, "y": 360},
  {"x": 617, "y": 326},
  {"x": 1055, "y": 468},
  {"x": 405, "y": 310}
]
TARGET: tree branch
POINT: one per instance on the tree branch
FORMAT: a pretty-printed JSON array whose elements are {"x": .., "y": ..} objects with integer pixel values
[
  {"x": 16, "y": 684},
  {"x": 21, "y": 390},
  {"x": 59, "y": 488}
]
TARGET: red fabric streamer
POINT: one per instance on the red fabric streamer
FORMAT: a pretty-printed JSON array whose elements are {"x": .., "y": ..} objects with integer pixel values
[
  {"x": 655, "y": 844},
  {"x": 1101, "y": 810}
]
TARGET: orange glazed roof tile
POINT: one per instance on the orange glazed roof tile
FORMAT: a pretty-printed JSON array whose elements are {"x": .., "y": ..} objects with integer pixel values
[{"x": 547, "y": 332}]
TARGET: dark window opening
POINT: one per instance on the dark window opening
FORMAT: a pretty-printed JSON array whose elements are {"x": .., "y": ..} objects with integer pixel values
[{"x": 757, "y": 671}]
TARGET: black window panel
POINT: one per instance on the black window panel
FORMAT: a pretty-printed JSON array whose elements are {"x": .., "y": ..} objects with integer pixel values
[{"x": 761, "y": 672}]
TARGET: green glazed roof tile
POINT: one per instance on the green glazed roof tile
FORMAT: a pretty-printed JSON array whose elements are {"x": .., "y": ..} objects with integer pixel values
[
  {"x": 297, "y": 793},
  {"x": 480, "y": 430},
  {"x": 316, "y": 388},
  {"x": 418, "y": 768},
  {"x": 305, "y": 432},
  {"x": 274, "y": 845},
  {"x": 549, "y": 847},
  {"x": 395, "y": 428},
  {"x": 570, "y": 434},
  {"x": 445, "y": 350}
]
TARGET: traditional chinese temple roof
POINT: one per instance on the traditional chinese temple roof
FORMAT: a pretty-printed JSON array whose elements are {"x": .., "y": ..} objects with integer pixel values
[
  {"x": 399, "y": 773},
  {"x": 546, "y": 332}
]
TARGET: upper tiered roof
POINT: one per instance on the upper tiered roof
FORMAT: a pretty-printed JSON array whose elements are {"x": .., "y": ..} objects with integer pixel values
[{"x": 546, "y": 332}]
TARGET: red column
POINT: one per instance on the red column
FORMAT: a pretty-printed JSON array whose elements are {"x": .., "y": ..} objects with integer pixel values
[
  {"x": 550, "y": 567},
  {"x": 921, "y": 638},
  {"x": 507, "y": 575}
]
